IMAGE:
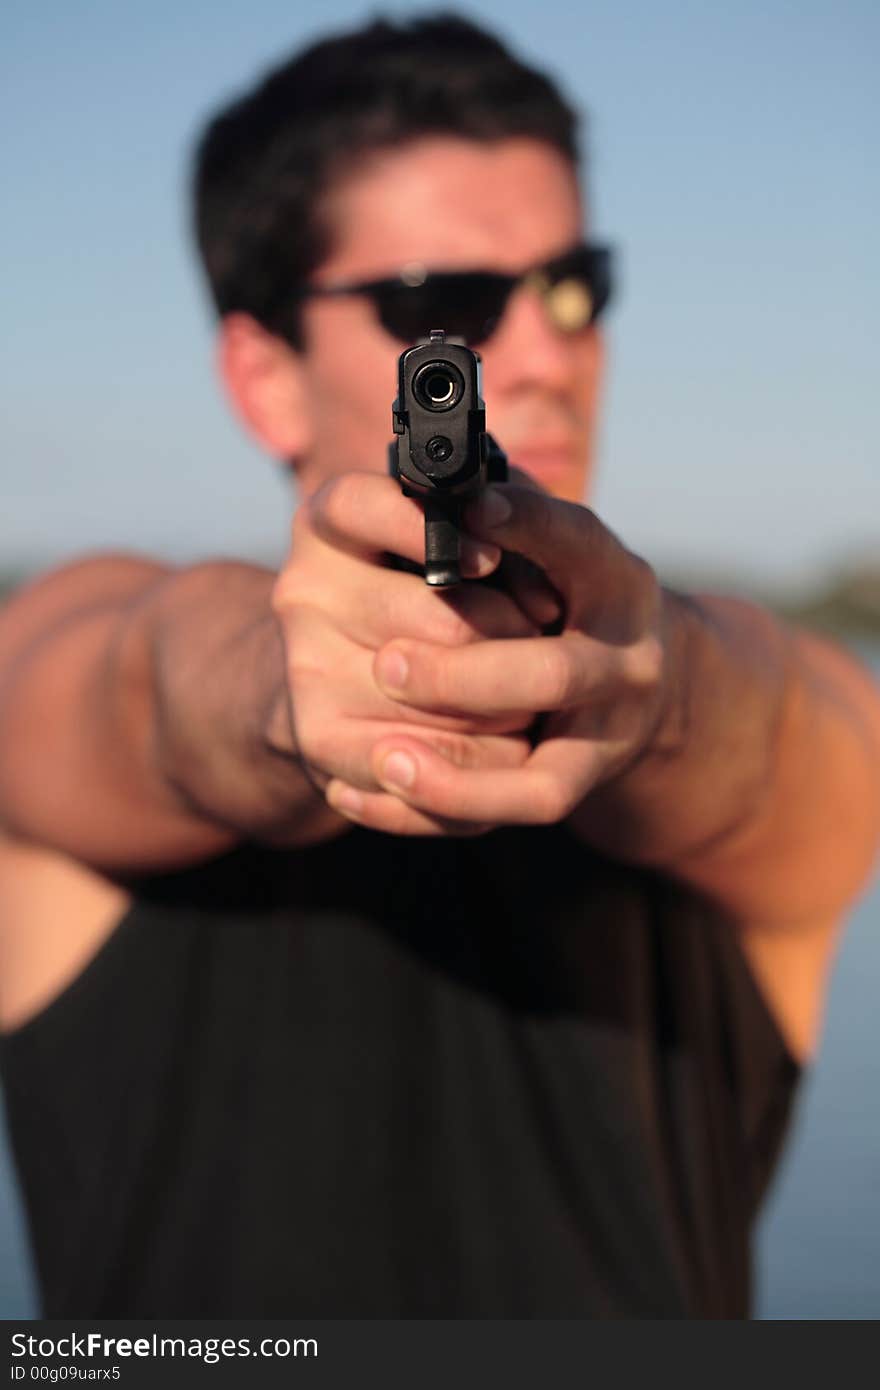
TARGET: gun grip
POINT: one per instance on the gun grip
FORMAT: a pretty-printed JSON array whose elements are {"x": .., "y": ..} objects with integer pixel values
[{"x": 442, "y": 542}]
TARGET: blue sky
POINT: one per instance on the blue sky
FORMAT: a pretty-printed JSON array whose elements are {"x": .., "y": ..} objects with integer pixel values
[{"x": 733, "y": 163}]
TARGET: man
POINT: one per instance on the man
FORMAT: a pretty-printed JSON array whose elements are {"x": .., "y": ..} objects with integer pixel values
[{"x": 528, "y": 1050}]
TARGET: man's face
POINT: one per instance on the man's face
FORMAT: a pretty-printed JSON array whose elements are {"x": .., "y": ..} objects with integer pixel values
[{"x": 452, "y": 203}]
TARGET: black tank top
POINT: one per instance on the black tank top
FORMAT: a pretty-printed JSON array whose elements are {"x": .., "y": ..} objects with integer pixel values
[{"x": 388, "y": 1077}]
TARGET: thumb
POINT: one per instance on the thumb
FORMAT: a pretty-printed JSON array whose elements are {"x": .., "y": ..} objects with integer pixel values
[{"x": 567, "y": 541}]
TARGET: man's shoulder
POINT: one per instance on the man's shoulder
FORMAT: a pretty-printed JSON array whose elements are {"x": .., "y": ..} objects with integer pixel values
[{"x": 55, "y": 915}]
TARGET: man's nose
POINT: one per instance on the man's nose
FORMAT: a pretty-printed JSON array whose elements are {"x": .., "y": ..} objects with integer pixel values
[{"x": 527, "y": 349}]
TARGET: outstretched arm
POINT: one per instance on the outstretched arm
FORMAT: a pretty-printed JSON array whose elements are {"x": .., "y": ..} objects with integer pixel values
[
  {"x": 135, "y": 702},
  {"x": 151, "y": 717}
]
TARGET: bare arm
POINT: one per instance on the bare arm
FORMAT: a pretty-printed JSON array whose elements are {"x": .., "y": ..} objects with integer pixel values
[
  {"x": 147, "y": 714},
  {"x": 762, "y": 784},
  {"x": 136, "y": 704}
]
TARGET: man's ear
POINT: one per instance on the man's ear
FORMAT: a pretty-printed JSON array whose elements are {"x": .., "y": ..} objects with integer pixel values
[{"x": 264, "y": 380}]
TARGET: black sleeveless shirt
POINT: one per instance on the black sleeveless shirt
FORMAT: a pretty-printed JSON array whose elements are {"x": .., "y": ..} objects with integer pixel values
[{"x": 389, "y": 1077}]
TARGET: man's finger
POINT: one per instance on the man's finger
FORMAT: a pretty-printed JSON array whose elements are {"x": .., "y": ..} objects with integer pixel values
[
  {"x": 343, "y": 749},
  {"x": 583, "y": 560},
  {"x": 488, "y": 679},
  {"x": 367, "y": 515},
  {"x": 543, "y": 791},
  {"x": 386, "y": 602},
  {"x": 388, "y": 814},
  {"x": 360, "y": 801},
  {"x": 530, "y": 589}
]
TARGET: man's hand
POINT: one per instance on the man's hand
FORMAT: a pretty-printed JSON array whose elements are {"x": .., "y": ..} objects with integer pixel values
[
  {"x": 600, "y": 683},
  {"x": 339, "y": 604},
  {"x": 695, "y": 734}
]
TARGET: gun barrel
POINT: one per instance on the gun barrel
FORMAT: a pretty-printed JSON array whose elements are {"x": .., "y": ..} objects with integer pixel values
[{"x": 441, "y": 453}]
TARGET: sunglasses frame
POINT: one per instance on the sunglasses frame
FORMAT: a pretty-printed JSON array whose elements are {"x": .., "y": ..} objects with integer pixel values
[{"x": 598, "y": 257}]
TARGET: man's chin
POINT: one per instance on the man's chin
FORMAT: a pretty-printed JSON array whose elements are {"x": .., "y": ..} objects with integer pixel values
[{"x": 554, "y": 472}]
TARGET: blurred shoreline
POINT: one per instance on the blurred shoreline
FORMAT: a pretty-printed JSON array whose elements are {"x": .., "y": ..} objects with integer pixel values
[{"x": 845, "y": 601}]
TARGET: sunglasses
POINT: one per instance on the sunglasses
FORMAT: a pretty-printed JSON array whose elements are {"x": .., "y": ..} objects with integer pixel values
[{"x": 574, "y": 287}]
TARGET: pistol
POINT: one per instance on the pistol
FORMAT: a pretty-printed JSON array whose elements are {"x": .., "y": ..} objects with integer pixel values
[{"x": 441, "y": 452}]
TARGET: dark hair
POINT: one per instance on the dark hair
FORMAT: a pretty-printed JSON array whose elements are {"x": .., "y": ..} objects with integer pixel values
[{"x": 264, "y": 162}]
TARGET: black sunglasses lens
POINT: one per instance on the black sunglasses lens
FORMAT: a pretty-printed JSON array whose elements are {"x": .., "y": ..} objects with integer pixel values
[
  {"x": 464, "y": 306},
  {"x": 469, "y": 306}
]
